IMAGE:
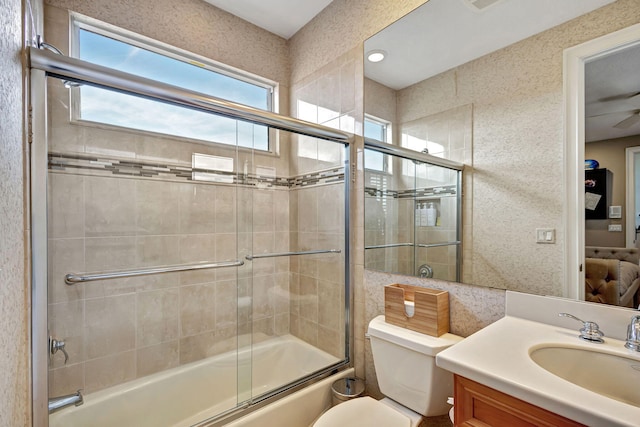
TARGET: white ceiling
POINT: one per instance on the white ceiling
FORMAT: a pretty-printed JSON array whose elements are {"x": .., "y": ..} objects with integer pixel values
[
  {"x": 281, "y": 17},
  {"x": 610, "y": 85},
  {"x": 455, "y": 33}
]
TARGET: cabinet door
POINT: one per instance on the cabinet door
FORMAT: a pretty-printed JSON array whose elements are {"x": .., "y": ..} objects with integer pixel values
[{"x": 477, "y": 405}]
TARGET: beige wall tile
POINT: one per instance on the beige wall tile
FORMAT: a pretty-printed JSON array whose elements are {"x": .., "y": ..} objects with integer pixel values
[
  {"x": 197, "y": 347},
  {"x": 197, "y": 309},
  {"x": 66, "y": 380},
  {"x": 110, "y": 207},
  {"x": 154, "y": 251},
  {"x": 66, "y": 323},
  {"x": 110, "y": 325},
  {"x": 110, "y": 253},
  {"x": 66, "y": 206},
  {"x": 196, "y": 248},
  {"x": 226, "y": 304},
  {"x": 107, "y": 371},
  {"x": 65, "y": 256},
  {"x": 157, "y": 317},
  {"x": 225, "y": 214},
  {"x": 263, "y": 297},
  {"x": 263, "y": 211},
  {"x": 198, "y": 208},
  {"x": 150, "y": 360},
  {"x": 157, "y": 207}
]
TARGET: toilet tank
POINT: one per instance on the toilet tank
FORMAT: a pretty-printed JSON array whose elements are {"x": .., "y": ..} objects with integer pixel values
[{"x": 405, "y": 363}]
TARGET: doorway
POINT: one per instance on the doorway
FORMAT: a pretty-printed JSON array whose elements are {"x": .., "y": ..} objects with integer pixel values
[{"x": 575, "y": 60}]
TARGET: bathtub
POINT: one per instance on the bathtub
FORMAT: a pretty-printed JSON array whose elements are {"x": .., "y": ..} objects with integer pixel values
[{"x": 192, "y": 393}]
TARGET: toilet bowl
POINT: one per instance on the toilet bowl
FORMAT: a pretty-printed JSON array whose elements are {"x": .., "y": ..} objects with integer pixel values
[
  {"x": 407, "y": 375},
  {"x": 365, "y": 411}
]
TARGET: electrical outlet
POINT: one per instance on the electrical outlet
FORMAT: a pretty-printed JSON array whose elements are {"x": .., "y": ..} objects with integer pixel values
[{"x": 545, "y": 235}]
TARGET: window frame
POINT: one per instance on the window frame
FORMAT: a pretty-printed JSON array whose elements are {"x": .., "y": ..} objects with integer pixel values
[
  {"x": 79, "y": 22},
  {"x": 386, "y": 128}
]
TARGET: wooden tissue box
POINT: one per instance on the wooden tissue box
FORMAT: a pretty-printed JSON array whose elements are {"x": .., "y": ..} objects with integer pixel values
[{"x": 431, "y": 313}]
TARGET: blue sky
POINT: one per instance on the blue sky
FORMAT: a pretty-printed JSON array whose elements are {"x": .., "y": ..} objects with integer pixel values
[{"x": 114, "y": 108}]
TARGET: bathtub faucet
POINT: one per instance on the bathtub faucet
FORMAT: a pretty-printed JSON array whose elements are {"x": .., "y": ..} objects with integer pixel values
[{"x": 57, "y": 403}]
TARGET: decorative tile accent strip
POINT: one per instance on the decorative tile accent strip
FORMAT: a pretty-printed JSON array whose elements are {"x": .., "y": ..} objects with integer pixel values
[
  {"x": 444, "y": 190},
  {"x": 375, "y": 192},
  {"x": 135, "y": 168}
]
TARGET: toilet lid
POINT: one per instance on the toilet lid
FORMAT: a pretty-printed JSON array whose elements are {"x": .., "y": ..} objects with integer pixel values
[{"x": 362, "y": 411}]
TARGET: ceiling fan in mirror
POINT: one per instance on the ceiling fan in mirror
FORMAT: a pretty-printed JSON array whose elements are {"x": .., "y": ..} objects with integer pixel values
[
  {"x": 632, "y": 120},
  {"x": 626, "y": 123},
  {"x": 633, "y": 117},
  {"x": 623, "y": 97}
]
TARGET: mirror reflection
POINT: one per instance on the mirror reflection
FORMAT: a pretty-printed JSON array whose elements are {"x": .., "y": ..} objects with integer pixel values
[
  {"x": 441, "y": 58},
  {"x": 612, "y": 152},
  {"x": 412, "y": 221}
]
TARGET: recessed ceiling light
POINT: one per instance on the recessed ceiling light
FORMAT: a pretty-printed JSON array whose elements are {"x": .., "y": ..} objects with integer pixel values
[{"x": 376, "y": 55}]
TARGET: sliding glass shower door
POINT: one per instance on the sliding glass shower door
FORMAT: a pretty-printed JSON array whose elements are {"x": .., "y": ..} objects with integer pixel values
[{"x": 187, "y": 278}]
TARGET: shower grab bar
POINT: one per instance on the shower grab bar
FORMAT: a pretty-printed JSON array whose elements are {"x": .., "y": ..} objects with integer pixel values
[
  {"x": 278, "y": 254},
  {"x": 389, "y": 245},
  {"x": 435, "y": 245},
  {"x": 72, "y": 279}
]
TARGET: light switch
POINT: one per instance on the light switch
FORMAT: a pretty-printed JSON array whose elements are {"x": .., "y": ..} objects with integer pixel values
[
  {"x": 615, "y": 212},
  {"x": 615, "y": 227},
  {"x": 545, "y": 235}
]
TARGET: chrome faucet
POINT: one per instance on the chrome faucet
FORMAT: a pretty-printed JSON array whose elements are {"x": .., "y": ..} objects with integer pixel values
[
  {"x": 633, "y": 334},
  {"x": 57, "y": 403},
  {"x": 590, "y": 331}
]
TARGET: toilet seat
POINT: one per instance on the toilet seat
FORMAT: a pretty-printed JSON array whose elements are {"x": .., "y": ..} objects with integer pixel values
[{"x": 362, "y": 411}]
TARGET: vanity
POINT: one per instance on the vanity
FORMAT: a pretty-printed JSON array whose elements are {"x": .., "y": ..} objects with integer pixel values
[{"x": 531, "y": 369}]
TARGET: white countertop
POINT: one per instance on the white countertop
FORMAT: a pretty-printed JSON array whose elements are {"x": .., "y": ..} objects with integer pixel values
[{"x": 498, "y": 356}]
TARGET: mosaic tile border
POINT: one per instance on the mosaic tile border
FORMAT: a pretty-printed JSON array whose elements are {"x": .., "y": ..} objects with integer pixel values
[
  {"x": 103, "y": 166},
  {"x": 418, "y": 193}
]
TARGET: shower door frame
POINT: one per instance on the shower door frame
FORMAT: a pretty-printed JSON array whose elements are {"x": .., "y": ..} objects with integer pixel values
[{"x": 44, "y": 64}]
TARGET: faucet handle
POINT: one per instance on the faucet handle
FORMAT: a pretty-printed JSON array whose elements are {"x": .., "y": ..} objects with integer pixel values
[
  {"x": 590, "y": 331},
  {"x": 55, "y": 345},
  {"x": 633, "y": 334}
]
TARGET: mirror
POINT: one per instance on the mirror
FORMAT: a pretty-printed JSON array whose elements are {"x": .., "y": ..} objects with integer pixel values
[{"x": 504, "y": 61}]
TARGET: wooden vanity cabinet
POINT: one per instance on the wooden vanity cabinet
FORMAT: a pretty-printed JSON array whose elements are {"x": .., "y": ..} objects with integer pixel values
[{"x": 477, "y": 405}]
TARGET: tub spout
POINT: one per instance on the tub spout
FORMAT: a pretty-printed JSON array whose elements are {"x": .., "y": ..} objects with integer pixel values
[{"x": 57, "y": 403}]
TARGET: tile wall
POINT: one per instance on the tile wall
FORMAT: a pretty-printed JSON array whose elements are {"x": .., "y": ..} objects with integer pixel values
[
  {"x": 329, "y": 97},
  {"x": 124, "y": 200}
]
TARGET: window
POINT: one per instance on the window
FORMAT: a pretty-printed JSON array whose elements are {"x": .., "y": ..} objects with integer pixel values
[
  {"x": 377, "y": 129},
  {"x": 111, "y": 47}
]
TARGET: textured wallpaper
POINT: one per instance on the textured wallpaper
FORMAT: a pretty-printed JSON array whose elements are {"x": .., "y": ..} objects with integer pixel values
[{"x": 14, "y": 349}]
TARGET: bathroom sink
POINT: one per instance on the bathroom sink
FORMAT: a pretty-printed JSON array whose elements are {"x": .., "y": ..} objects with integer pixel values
[{"x": 610, "y": 375}]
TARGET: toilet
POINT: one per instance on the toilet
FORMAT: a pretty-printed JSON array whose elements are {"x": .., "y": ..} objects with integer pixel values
[{"x": 414, "y": 386}]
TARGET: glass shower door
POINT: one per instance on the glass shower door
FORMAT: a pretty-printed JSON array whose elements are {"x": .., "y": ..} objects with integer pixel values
[
  {"x": 189, "y": 279},
  {"x": 295, "y": 253},
  {"x": 144, "y": 272}
]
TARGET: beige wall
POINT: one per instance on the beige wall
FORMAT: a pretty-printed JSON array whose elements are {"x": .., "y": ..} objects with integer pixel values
[
  {"x": 611, "y": 155},
  {"x": 14, "y": 289}
]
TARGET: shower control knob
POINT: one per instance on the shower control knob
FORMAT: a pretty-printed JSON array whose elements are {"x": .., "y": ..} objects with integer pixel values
[{"x": 55, "y": 345}]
